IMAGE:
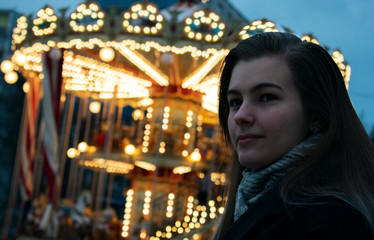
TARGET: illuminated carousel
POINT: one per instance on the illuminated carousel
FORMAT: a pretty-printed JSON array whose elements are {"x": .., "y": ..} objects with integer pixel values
[{"x": 133, "y": 93}]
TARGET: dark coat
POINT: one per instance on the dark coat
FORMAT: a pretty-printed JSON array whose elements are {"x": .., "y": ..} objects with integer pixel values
[{"x": 319, "y": 218}]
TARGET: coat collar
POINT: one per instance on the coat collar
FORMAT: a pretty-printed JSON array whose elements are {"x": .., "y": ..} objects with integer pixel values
[{"x": 269, "y": 207}]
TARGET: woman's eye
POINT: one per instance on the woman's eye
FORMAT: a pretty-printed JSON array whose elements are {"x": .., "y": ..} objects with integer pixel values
[
  {"x": 235, "y": 102},
  {"x": 267, "y": 97}
]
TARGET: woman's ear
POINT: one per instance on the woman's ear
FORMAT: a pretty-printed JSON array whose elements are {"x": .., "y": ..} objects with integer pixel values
[{"x": 317, "y": 123}]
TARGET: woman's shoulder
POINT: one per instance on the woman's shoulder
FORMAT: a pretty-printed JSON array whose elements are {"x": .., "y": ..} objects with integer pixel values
[
  {"x": 327, "y": 207},
  {"x": 319, "y": 218},
  {"x": 328, "y": 217}
]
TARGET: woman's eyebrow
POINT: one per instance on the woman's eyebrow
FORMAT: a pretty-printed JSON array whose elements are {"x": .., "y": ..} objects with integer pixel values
[
  {"x": 260, "y": 86},
  {"x": 255, "y": 88},
  {"x": 233, "y": 92}
]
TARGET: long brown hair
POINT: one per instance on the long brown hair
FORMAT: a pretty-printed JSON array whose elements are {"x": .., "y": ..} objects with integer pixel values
[{"x": 343, "y": 164}]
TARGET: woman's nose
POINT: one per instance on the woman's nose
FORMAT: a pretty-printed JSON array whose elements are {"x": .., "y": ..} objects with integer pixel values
[{"x": 244, "y": 115}]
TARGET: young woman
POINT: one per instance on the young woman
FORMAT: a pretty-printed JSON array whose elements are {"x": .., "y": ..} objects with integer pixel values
[{"x": 304, "y": 164}]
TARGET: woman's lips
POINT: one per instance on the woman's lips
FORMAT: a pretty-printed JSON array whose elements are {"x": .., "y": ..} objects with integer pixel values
[{"x": 247, "y": 138}]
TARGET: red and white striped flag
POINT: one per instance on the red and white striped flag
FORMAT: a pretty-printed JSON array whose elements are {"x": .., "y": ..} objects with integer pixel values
[
  {"x": 28, "y": 139},
  {"x": 52, "y": 82}
]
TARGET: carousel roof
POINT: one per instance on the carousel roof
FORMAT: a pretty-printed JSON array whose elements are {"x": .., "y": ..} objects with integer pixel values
[
  {"x": 139, "y": 46},
  {"x": 106, "y": 4}
]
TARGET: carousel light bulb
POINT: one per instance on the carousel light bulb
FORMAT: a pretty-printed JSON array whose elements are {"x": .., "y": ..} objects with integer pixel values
[
  {"x": 6, "y": 66},
  {"x": 11, "y": 77},
  {"x": 195, "y": 155},
  {"x": 185, "y": 153},
  {"x": 187, "y": 135},
  {"x": 107, "y": 54},
  {"x": 72, "y": 153},
  {"x": 20, "y": 59},
  {"x": 130, "y": 149},
  {"x": 26, "y": 87},
  {"x": 82, "y": 146},
  {"x": 146, "y": 102},
  {"x": 137, "y": 114},
  {"x": 95, "y": 107},
  {"x": 171, "y": 196},
  {"x": 91, "y": 149}
]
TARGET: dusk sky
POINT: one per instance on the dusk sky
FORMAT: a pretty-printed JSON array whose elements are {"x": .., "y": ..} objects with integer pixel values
[{"x": 339, "y": 24}]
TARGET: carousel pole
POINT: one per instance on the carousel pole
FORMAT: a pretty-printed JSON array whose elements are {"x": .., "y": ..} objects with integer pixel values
[
  {"x": 79, "y": 181},
  {"x": 87, "y": 128},
  {"x": 64, "y": 139},
  {"x": 111, "y": 176},
  {"x": 97, "y": 119},
  {"x": 15, "y": 177},
  {"x": 107, "y": 150},
  {"x": 93, "y": 186},
  {"x": 88, "y": 122},
  {"x": 38, "y": 168},
  {"x": 82, "y": 110},
  {"x": 101, "y": 118},
  {"x": 119, "y": 116},
  {"x": 157, "y": 163},
  {"x": 110, "y": 189},
  {"x": 70, "y": 189}
]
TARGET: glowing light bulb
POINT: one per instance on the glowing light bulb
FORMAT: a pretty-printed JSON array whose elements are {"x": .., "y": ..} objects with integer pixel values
[
  {"x": 107, "y": 54},
  {"x": 6, "y": 66},
  {"x": 26, "y": 87},
  {"x": 130, "y": 149},
  {"x": 82, "y": 146},
  {"x": 20, "y": 59},
  {"x": 72, "y": 153},
  {"x": 11, "y": 77},
  {"x": 137, "y": 114},
  {"x": 195, "y": 155},
  {"x": 95, "y": 107}
]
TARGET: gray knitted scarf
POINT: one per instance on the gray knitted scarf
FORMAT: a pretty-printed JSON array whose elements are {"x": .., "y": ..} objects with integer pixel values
[{"x": 256, "y": 182}]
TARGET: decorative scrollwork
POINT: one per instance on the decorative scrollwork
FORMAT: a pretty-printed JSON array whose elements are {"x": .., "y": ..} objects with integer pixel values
[
  {"x": 87, "y": 17},
  {"x": 257, "y": 26},
  {"x": 45, "y": 23},
  {"x": 204, "y": 25},
  {"x": 143, "y": 18}
]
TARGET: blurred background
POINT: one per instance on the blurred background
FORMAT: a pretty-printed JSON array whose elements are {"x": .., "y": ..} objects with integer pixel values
[{"x": 108, "y": 121}]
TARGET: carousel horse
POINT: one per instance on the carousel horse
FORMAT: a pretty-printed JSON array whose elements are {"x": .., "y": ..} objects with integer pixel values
[{"x": 81, "y": 213}]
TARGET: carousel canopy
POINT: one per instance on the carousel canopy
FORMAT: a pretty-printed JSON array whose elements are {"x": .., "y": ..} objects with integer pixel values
[{"x": 129, "y": 49}]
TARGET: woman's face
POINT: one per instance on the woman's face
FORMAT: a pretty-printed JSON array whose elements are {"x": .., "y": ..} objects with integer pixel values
[{"x": 266, "y": 117}]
